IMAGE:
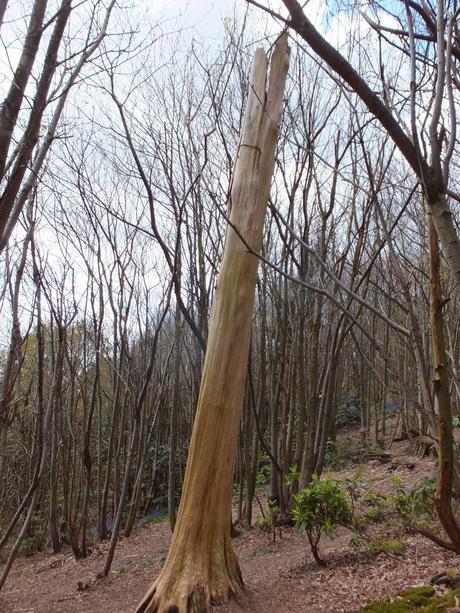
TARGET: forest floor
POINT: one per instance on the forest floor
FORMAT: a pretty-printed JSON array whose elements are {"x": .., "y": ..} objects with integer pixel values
[{"x": 279, "y": 577}]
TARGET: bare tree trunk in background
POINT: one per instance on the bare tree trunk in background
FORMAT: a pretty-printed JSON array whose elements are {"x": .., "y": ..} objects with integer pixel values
[
  {"x": 13, "y": 356},
  {"x": 443, "y": 497},
  {"x": 428, "y": 172},
  {"x": 32, "y": 131},
  {"x": 173, "y": 422},
  {"x": 12, "y": 104},
  {"x": 3, "y": 5},
  {"x": 132, "y": 443}
]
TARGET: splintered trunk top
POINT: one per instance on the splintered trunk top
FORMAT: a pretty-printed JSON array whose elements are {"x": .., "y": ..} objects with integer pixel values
[{"x": 201, "y": 566}]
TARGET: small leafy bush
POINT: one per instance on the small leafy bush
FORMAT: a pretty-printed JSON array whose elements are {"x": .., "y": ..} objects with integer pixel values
[
  {"x": 422, "y": 497},
  {"x": 292, "y": 476},
  {"x": 385, "y": 545},
  {"x": 35, "y": 539},
  {"x": 264, "y": 470},
  {"x": 331, "y": 458},
  {"x": 264, "y": 523},
  {"x": 344, "y": 452},
  {"x": 377, "y": 507},
  {"x": 320, "y": 508},
  {"x": 377, "y": 544},
  {"x": 348, "y": 413},
  {"x": 354, "y": 487},
  {"x": 268, "y": 520},
  {"x": 417, "y": 504}
]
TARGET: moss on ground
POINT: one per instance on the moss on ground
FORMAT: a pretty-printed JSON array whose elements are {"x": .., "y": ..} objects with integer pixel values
[{"x": 422, "y": 599}]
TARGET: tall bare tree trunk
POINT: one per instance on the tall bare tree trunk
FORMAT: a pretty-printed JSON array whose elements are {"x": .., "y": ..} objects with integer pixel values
[
  {"x": 174, "y": 419},
  {"x": 443, "y": 497},
  {"x": 201, "y": 566}
]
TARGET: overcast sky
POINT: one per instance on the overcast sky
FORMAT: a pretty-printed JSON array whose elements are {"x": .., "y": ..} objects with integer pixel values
[{"x": 205, "y": 21}]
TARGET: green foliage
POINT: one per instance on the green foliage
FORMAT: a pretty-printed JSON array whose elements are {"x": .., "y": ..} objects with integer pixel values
[
  {"x": 320, "y": 508},
  {"x": 293, "y": 475},
  {"x": 264, "y": 470},
  {"x": 399, "y": 512},
  {"x": 372, "y": 498},
  {"x": 348, "y": 413},
  {"x": 422, "y": 497},
  {"x": 264, "y": 551},
  {"x": 377, "y": 507},
  {"x": 160, "y": 456},
  {"x": 416, "y": 504},
  {"x": 31, "y": 545},
  {"x": 361, "y": 540},
  {"x": 422, "y": 599},
  {"x": 36, "y": 536},
  {"x": 354, "y": 486},
  {"x": 344, "y": 451},
  {"x": 356, "y": 540},
  {"x": 404, "y": 509},
  {"x": 384, "y": 545},
  {"x": 157, "y": 517},
  {"x": 331, "y": 457},
  {"x": 266, "y": 521}
]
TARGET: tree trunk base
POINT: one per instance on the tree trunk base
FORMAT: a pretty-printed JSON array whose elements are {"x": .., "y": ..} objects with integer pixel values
[{"x": 187, "y": 590}]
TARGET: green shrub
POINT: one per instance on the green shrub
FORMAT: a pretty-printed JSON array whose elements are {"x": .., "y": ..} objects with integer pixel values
[
  {"x": 377, "y": 545},
  {"x": 320, "y": 508},
  {"x": 354, "y": 486},
  {"x": 422, "y": 497},
  {"x": 331, "y": 457},
  {"x": 264, "y": 470},
  {"x": 36, "y": 536},
  {"x": 417, "y": 504},
  {"x": 264, "y": 524},
  {"x": 348, "y": 413},
  {"x": 343, "y": 452},
  {"x": 267, "y": 521},
  {"x": 292, "y": 476},
  {"x": 377, "y": 507},
  {"x": 391, "y": 546}
]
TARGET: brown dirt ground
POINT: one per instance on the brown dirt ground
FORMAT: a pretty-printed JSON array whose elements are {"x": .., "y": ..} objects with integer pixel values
[{"x": 280, "y": 576}]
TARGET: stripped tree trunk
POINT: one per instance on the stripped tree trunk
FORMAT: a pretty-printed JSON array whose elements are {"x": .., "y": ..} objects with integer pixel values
[{"x": 201, "y": 566}]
